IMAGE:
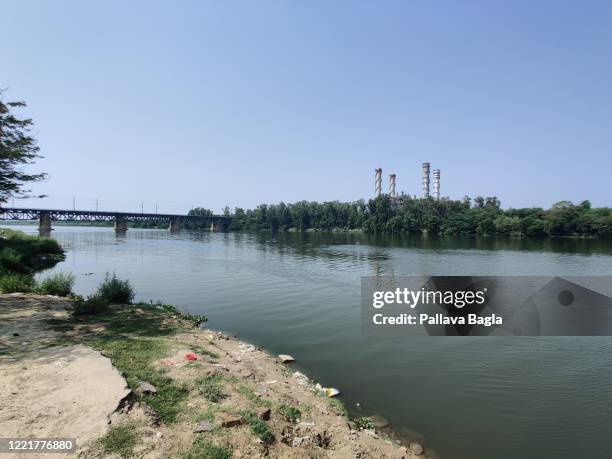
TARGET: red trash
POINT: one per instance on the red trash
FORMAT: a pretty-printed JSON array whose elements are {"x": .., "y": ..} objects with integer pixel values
[{"x": 190, "y": 356}]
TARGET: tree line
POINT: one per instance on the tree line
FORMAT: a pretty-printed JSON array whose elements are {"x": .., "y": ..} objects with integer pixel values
[{"x": 478, "y": 216}]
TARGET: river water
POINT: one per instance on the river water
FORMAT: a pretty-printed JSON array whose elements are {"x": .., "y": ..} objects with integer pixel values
[{"x": 299, "y": 294}]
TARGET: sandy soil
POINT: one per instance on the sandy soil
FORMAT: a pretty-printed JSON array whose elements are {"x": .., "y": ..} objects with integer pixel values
[{"x": 50, "y": 391}]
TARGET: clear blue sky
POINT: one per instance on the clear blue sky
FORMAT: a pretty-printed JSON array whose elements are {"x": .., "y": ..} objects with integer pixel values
[{"x": 194, "y": 103}]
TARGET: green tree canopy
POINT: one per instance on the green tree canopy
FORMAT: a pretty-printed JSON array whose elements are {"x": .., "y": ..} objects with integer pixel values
[{"x": 17, "y": 149}]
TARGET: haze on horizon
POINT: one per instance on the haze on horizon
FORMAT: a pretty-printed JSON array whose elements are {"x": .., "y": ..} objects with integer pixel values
[{"x": 240, "y": 103}]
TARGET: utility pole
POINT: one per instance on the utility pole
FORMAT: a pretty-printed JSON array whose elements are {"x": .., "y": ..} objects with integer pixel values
[
  {"x": 155, "y": 208},
  {"x": 142, "y": 207},
  {"x": 96, "y": 204},
  {"x": 74, "y": 203}
]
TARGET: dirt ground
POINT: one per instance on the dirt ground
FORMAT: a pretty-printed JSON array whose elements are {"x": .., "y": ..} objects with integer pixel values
[{"x": 235, "y": 396}]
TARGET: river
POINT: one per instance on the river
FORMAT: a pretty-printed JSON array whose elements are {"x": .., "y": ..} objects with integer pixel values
[{"x": 299, "y": 294}]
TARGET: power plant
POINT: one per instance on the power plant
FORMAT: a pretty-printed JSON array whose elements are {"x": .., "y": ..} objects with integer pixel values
[
  {"x": 425, "y": 180},
  {"x": 399, "y": 198},
  {"x": 377, "y": 182}
]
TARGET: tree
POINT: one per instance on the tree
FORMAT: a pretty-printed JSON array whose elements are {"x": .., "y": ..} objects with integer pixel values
[{"x": 17, "y": 149}]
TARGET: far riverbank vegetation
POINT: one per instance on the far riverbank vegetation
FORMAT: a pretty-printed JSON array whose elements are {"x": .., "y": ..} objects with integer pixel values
[{"x": 446, "y": 217}]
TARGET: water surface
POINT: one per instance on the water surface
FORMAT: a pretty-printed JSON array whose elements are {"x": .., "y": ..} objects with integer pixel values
[{"x": 299, "y": 294}]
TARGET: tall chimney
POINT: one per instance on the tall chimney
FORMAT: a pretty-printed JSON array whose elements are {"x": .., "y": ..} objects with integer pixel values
[
  {"x": 392, "y": 185},
  {"x": 425, "y": 180},
  {"x": 377, "y": 181},
  {"x": 436, "y": 183}
]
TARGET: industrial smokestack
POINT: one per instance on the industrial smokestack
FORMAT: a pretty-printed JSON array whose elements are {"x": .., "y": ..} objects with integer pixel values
[
  {"x": 425, "y": 180},
  {"x": 377, "y": 181},
  {"x": 436, "y": 183},
  {"x": 392, "y": 185}
]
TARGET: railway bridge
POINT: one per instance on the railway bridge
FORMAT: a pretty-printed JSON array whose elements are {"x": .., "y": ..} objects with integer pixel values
[{"x": 120, "y": 219}]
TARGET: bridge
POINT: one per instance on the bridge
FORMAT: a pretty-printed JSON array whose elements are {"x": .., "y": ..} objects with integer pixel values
[{"x": 120, "y": 219}]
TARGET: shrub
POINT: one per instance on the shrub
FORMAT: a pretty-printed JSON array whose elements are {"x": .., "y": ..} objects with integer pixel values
[
  {"x": 93, "y": 304},
  {"x": 364, "y": 423},
  {"x": 115, "y": 290},
  {"x": 22, "y": 253},
  {"x": 10, "y": 283},
  {"x": 59, "y": 284}
]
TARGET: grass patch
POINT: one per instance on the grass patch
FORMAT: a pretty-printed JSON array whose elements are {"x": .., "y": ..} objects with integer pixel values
[
  {"x": 120, "y": 439},
  {"x": 92, "y": 304},
  {"x": 250, "y": 395},
  {"x": 290, "y": 413},
  {"x": 338, "y": 407},
  {"x": 202, "y": 350},
  {"x": 132, "y": 342},
  {"x": 202, "y": 449},
  {"x": 11, "y": 283},
  {"x": 59, "y": 284},
  {"x": 211, "y": 387},
  {"x": 258, "y": 427}
]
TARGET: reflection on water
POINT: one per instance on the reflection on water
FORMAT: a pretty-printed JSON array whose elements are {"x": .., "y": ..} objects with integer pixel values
[{"x": 300, "y": 294}]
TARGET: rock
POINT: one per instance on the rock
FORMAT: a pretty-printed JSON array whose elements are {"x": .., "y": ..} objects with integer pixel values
[
  {"x": 297, "y": 441},
  {"x": 145, "y": 388},
  {"x": 264, "y": 413},
  {"x": 159, "y": 435},
  {"x": 403, "y": 450},
  {"x": 229, "y": 420},
  {"x": 371, "y": 433},
  {"x": 416, "y": 448},
  {"x": 379, "y": 422},
  {"x": 285, "y": 358},
  {"x": 203, "y": 426}
]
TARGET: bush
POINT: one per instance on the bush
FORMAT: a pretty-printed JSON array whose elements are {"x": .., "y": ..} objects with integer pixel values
[
  {"x": 115, "y": 290},
  {"x": 93, "y": 304},
  {"x": 364, "y": 423},
  {"x": 25, "y": 254},
  {"x": 10, "y": 283},
  {"x": 59, "y": 284}
]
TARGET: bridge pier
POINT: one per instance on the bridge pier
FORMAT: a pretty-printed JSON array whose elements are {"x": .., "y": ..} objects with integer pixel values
[
  {"x": 120, "y": 225},
  {"x": 44, "y": 224},
  {"x": 175, "y": 225},
  {"x": 216, "y": 226}
]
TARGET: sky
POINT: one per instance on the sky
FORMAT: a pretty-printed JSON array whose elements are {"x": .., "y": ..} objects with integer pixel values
[{"x": 215, "y": 103}]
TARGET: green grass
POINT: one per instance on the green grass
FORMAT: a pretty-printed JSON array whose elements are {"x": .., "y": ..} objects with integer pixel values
[
  {"x": 93, "y": 304},
  {"x": 253, "y": 397},
  {"x": 202, "y": 449},
  {"x": 120, "y": 439},
  {"x": 290, "y": 413},
  {"x": 11, "y": 283},
  {"x": 133, "y": 343},
  {"x": 258, "y": 427},
  {"x": 211, "y": 388},
  {"x": 59, "y": 284}
]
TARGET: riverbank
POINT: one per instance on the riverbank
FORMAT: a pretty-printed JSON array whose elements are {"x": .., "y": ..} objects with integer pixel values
[{"x": 172, "y": 390}]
